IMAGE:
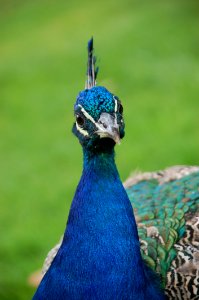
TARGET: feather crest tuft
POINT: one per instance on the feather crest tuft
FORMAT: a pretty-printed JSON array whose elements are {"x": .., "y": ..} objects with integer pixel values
[{"x": 92, "y": 70}]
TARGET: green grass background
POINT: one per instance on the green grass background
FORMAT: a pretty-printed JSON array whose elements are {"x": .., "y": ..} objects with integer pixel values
[{"x": 148, "y": 52}]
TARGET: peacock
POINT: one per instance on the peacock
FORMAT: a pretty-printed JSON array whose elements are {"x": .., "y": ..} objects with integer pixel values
[{"x": 135, "y": 241}]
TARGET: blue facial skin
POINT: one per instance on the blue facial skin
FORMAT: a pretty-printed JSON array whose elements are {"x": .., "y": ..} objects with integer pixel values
[{"x": 99, "y": 258}]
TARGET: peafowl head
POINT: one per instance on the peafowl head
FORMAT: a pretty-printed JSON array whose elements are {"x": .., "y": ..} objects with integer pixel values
[
  {"x": 99, "y": 116},
  {"x": 99, "y": 113}
]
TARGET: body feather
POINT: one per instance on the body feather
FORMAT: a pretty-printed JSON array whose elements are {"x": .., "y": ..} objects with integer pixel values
[{"x": 166, "y": 207}]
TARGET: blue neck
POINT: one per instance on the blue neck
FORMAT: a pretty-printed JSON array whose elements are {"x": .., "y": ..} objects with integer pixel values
[
  {"x": 102, "y": 223},
  {"x": 103, "y": 200},
  {"x": 100, "y": 254}
]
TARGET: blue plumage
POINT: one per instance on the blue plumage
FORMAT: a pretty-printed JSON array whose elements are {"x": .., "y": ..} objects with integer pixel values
[
  {"x": 100, "y": 254},
  {"x": 95, "y": 101}
]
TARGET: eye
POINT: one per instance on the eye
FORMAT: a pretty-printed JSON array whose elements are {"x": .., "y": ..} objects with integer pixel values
[
  {"x": 120, "y": 108},
  {"x": 79, "y": 120}
]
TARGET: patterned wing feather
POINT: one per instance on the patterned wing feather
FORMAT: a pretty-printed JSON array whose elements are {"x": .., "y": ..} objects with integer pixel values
[{"x": 167, "y": 214}]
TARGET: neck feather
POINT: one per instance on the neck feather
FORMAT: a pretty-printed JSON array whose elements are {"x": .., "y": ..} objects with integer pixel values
[
  {"x": 101, "y": 161},
  {"x": 102, "y": 215},
  {"x": 100, "y": 254}
]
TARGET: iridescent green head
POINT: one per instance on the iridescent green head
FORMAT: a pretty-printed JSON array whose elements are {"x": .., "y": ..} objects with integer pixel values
[{"x": 98, "y": 113}]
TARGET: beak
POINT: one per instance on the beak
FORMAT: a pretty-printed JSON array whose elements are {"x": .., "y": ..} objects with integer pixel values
[{"x": 108, "y": 127}]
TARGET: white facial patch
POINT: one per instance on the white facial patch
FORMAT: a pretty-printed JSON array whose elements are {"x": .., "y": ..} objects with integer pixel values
[
  {"x": 82, "y": 131},
  {"x": 115, "y": 104}
]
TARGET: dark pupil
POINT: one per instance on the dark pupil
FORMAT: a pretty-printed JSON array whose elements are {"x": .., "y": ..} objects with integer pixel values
[
  {"x": 80, "y": 121},
  {"x": 120, "y": 109}
]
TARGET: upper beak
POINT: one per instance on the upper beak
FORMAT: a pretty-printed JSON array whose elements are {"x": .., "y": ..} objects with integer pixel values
[{"x": 108, "y": 127}]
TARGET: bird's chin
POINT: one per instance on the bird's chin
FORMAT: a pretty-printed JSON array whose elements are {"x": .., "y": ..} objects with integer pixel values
[
  {"x": 98, "y": 144},
  {"x": 106, "y": 142}
]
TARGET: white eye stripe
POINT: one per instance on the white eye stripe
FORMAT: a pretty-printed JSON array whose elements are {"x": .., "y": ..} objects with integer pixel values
[
  {"x": 89, "y": 117},
  {"x": 115, "y": 105},
  {"x": 82, "y": 131},
  {"x": 86, "y": 114}
]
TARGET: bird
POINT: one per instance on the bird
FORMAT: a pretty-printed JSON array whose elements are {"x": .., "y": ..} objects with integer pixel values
[{"x": 138, "y": 240}]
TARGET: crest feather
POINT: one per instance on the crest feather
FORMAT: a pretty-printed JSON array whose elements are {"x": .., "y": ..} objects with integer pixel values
[{"x": 92, "y": 71}]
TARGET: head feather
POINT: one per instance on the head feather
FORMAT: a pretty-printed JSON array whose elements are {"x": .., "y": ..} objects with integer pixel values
[{"x": 92, "y": 71}]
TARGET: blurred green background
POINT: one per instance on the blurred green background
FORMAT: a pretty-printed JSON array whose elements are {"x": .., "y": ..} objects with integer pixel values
[{"x": 148, "y": 52}]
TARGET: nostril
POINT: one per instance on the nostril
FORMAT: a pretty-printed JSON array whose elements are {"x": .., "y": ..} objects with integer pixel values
[{"x": 105, "y": 126}]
